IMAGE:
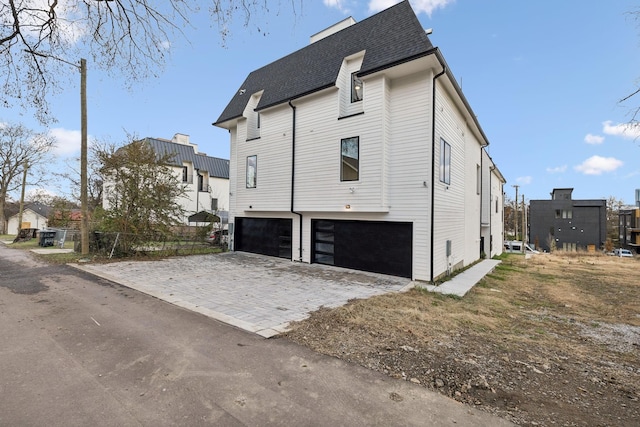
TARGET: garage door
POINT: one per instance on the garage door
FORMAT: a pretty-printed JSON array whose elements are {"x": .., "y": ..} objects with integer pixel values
[
  {"x": 266, "y": 236},
  {"x": 376, "y": 246}
]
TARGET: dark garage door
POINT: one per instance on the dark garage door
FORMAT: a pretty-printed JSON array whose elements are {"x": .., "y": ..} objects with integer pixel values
[
  {"x": 376, "y": 246},
  {"x": 266, "y": 236}
]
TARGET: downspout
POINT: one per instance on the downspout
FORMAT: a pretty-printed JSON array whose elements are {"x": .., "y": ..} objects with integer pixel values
[
  {"x": 197, "y": 178},
  {"x": 481, "y": 203},
  {"x": 433, "y": 159},
  {"x": 293, "y": 177}
]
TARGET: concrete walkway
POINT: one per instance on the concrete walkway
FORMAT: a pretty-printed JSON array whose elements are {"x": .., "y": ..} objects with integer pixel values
[{"x": 462, "y": 283}]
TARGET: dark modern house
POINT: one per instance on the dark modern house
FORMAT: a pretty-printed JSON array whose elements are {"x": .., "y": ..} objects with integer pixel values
[
  {"x": 630, "y": 229},
  {"x": 567, "y": 224}
]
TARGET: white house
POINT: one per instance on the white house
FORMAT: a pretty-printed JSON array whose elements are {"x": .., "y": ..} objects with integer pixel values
[
  {"x": 34, "y": 215},
  {"x": 360, "y": 151},
  {"x": 206, "y": 178}
]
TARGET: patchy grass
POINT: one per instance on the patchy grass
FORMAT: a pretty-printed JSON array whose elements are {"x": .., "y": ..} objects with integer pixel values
[{"x": 550, "y": 339}]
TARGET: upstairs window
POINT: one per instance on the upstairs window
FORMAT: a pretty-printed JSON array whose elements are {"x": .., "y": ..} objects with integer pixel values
[
  {"x": 214, "y": 205},
  {"x": 252, "y": 170},
  {"x": 185, "y": 174},
  {"x": 356, "y": 88},
  {"x": 200, "y": 183},
  {"x": 349, "y": 159},
  {"x": 445, "y": 162}
]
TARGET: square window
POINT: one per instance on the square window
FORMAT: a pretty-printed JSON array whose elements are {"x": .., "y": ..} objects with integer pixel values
[
  {"x": 349, "y": 159},
  {"x": 356, "y": 88},
  {"x": 252, "y": 168},
  {"x": 445, "y": 162}
]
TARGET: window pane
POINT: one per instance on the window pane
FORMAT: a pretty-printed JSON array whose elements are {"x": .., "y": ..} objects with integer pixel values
[
  {"x": 252, "y": 171},
  {"x": 356, "y": 88},
  {"x": 445, "y": 162},
  {"x": 350, "y": 163}
]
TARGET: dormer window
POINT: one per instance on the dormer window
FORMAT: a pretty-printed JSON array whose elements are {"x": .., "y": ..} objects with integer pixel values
[{"x": 356, "y": 88}]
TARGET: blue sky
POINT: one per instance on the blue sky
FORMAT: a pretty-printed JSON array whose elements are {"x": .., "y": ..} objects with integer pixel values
[{"x": 544, "y": 78}]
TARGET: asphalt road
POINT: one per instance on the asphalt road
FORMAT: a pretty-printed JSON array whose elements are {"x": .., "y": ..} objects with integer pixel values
[{"x": 77, "y": 350}]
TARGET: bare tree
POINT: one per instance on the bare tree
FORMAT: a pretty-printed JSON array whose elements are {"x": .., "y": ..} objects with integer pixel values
[
  {"x": 71, "y": 175},
  {"x": 19, "y": 146},
  {"x": 141, "y": 192},
  {"x": 134, "y": 37},
  {"x": 634, "y": 112}
]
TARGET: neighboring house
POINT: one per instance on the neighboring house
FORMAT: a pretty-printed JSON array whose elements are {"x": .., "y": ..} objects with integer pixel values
[
  {"x": 34, "y": 215},
  {"x": 492, "y": 222},
  {"x": 629, "y": 220},
  {"x": 206, "y": 178},
  {"x": 566, "y": 223},
  {"x": 361, "y": 151}
]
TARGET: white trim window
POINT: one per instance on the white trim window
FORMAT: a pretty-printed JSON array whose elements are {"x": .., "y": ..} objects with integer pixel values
[
  {"x": 252, "y": 171},
  {"x": 350, "y": 159},
  {"x": 445, "y": 162},
  {"x": 356, "y": 88}
]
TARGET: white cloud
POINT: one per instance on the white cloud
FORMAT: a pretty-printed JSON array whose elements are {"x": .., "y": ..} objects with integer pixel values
[
  {"x": 420, "y": 6},
  {"x": 624, "y": 130},
  {"x": 67, "y": 141},
  {"x": 337, "y": 4},
  {"x": 557, "y": 169},
  {"x": 69, "y": 25},
  {"x": 593, "y": 139},
  {"x": 596, "y": 165},
  {"x": 524, "y": 180}
]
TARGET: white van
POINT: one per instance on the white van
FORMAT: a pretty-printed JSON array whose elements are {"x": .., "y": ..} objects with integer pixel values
[{"x": 515, "y": 246}]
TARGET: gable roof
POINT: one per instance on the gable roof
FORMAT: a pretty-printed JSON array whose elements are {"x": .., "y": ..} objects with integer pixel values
[
  {"x": 390, "y": 37},
  {"x": 216, "y": 167},
  {"x": 35, "y": 207}
]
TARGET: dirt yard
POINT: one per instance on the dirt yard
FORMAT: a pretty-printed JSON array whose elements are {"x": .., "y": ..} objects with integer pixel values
[{"x": 551, "y": 340}]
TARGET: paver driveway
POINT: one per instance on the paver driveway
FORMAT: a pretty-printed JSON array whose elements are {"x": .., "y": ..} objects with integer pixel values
[{"x": 256, "y": 293}]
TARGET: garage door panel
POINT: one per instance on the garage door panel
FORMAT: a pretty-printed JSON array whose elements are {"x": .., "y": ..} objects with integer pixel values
[
  {"x": 376, "y": 246},
  {"x": 266, "y": 236}
]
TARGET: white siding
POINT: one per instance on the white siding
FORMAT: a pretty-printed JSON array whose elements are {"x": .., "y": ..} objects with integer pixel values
[
  {"x": 273, "y": 151},
  {"x": 449, "y": 203},
  {"x": 409, "y": 163},
  {"x": 497, "y": 215},
  {"x": 473, "y": 160},
  {"x": 30, "y": 218},
  {"x": 395, "y": 157}
]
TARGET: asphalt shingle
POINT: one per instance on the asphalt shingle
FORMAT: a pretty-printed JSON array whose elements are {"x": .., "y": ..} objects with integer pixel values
[{"x": 388, "y": 38}]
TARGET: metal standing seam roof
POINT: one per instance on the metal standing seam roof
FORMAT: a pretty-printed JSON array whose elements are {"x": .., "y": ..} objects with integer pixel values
[
  {"x": 390, "y": 37},
  {"x": 214, "y": 166}
]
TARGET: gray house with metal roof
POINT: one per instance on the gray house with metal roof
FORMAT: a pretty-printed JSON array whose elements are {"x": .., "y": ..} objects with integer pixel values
[{"x": 360, "y": 151}]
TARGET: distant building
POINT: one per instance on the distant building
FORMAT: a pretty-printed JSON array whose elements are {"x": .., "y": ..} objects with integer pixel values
[
  {"x": 630, "y": 229},
  {"x": 205, "y": 178},
  {"x": 34, "y": 215},
  {"x": 567, "y": 224}
]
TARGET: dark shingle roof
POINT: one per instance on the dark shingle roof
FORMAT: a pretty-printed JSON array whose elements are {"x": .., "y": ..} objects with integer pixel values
[
  {"x": 218, "y": 168},
  {"x": 390, "y": 37}
]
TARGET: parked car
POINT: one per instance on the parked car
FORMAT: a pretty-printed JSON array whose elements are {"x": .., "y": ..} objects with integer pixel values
[
  {"x": 623, "y": 252},
  {"x": 218, "y": 237}
]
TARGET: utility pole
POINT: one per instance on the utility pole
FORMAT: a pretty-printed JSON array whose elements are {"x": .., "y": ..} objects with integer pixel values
[
  {"x": 524, "y": 224},
  {"x": 516, "y": 206},
  {"x": 24, "y": 184},
  {"x": 84, "y": 221}
]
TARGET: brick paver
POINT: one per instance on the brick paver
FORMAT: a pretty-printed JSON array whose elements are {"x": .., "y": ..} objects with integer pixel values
[{"x": 253, "y": 292}]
